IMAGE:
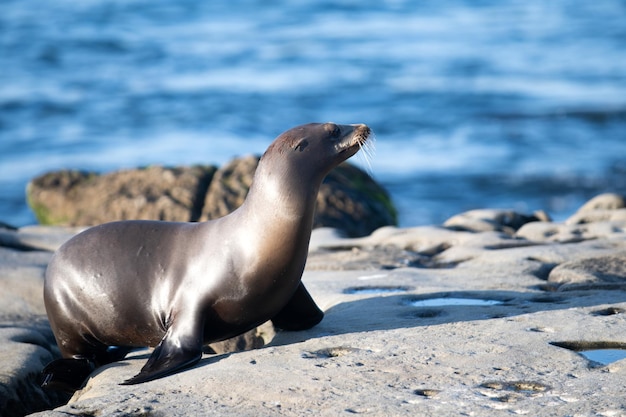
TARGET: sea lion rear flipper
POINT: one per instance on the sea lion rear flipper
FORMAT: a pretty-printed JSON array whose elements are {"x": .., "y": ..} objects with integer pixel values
[
  {"x": 171, "y": 355},
  {"x": 300, "y": 313},
  {"x": 66, "y": 374}
]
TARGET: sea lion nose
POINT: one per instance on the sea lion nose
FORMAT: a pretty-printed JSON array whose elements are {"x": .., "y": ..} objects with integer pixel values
[{"x": 362, "y": 129}]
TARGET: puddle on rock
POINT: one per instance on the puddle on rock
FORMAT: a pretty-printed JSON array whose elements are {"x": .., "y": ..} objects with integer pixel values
[
  {"x": 602, "y": 353},
  {"x": 378, "y": 289},
  {"x": 429, "y": 314},
  {"x": 604, "y": 356},
  {"x": 453, "y": 301},
  {"x": 548, "y": 300}
]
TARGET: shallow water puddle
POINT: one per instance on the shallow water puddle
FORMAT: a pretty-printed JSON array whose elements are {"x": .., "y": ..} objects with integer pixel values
[
  {"x": 380, "y": 289},
  {"x": 604, "y": 356},
  {"x": 453, "y": 301},
  {"x": 600, "y": 352}
]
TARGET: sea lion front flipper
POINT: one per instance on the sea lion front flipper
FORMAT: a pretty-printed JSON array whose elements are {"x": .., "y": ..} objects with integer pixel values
[
  {"x": 300, "y": 313},
  {"x": 171, "y": 355}
]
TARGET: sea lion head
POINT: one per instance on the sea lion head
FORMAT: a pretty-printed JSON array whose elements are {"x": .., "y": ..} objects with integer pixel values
[{"x": 317, "y": 147}]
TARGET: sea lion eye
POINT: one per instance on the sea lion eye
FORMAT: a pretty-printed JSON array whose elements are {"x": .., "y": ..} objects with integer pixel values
[{"x": 303, "y": 143}]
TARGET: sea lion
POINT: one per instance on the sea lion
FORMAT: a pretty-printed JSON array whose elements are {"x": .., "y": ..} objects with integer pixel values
[{"x": 177, "y": 286}]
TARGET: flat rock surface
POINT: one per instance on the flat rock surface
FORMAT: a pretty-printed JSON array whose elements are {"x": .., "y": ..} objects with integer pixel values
[
  {"x": 420, "y": 321},
  {"x": 486, "y": 317}
]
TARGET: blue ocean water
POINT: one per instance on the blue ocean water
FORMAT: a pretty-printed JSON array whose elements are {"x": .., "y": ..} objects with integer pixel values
[{"x": 510, "y": 103}]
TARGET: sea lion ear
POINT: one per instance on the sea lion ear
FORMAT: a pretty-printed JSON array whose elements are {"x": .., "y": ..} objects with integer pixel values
[{"x": 300, "y": 145}]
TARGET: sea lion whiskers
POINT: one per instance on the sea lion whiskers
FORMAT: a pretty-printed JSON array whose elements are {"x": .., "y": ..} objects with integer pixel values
[
  {"x": 363, "y": 137},
  {"x": 368, "y": 149},
  {"x": 356, "y": 135}
]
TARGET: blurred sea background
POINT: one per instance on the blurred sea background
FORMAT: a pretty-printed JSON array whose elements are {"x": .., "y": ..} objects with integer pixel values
[{"x": 503, "y": 104}]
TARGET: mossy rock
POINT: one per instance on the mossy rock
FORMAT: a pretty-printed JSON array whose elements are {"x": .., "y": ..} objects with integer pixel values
[
  {"x": 349, "y": 199},
  {"x": 76, "y": 198}
]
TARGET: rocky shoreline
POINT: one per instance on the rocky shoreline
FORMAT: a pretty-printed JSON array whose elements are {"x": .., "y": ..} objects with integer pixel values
[{"x": 487, "y": 314}]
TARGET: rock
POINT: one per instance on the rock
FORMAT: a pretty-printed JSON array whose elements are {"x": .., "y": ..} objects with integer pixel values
[
  {"x": 253, "y": 339},
  {"x": 323, "y": 236},
  {"x": 349, "y": 199},
  {"x": 352, "y": 201},
  {"x": 607, "y": 201},
  {"x": 540, "y": 231},
  {"x": 392, "y": 336},
  {"x": 594, "y": 216},
  {"x": 24, "y": 256},
  {"x": 25, "y": 349},
  {"x": 72, "y": 198},
  {"x": 604, "y": 207},
  {"x": 485, "y": 220},
  {"x": 607, "y": 272},
  {"x": 569, "y": 233},
  {"x": 395, "y": 330},
  {"x": 366, "y": 259},
  {"x": 36, "y": 237},
  {"x": 26, "y": 341},
  {"x": 229, "y": 187},
  {"x": 21, "y": 282}
]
